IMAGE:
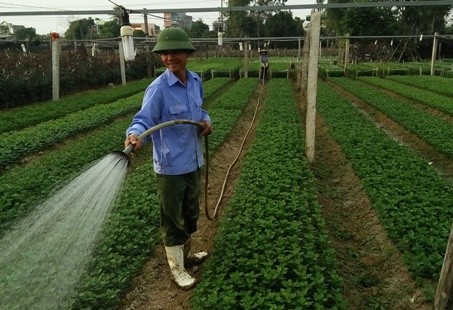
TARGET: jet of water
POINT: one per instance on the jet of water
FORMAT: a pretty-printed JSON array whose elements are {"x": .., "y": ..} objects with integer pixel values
[{"x": 43, "y": 256}]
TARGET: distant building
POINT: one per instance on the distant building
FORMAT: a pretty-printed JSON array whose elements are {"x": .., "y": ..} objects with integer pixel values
[
  {"x": 180, "y": 20},
  {"x": 8, "y": 30},
  {"x": 153, "y": 30}
]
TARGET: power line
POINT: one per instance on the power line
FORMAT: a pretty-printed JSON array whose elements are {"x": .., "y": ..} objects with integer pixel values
[
  {"x": 246, "y": 8},
  {"x": 28, "y": 6}
]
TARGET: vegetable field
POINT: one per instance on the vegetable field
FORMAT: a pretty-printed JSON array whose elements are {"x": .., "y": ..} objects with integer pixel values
[{"x": 363, "y": 227}]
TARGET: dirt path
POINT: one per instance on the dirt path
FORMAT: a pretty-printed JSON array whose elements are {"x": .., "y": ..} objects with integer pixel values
[
  {"x": 153, "y": 288},
  {"x": 373, "y": 272},
  {"x": 369, "y": 263}
]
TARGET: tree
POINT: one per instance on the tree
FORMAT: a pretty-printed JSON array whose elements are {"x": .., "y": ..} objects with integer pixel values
[
  {"x": 138, "y": 33},
  {"x": 368, "y": 22},
  {"x": 332, "y": 19},
  {"x": 199, "y": 30},
  {"x": 282, "y": 24},
  {"x": 240, "y": 24},
  {"x": 26, "y": 33},
  {"x": 110, "y": 29},
  {"x": 387, "y": 21},
  {"x": 81, "y": 29}
]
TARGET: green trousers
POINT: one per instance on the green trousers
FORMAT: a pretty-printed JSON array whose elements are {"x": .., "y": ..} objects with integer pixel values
[{"x": 178, "y": 197}]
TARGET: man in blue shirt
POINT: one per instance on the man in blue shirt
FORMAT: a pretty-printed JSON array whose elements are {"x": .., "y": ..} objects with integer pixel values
[{"x": 177, "y": 150}]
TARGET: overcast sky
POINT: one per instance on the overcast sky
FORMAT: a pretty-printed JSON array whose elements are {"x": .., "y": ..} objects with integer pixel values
[{"x": 45, "y": 24}]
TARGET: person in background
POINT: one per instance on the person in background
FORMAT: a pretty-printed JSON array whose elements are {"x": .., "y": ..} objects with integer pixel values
[
  {"x": 264, "y": 64},
  {"x": 177, "y": 149}
]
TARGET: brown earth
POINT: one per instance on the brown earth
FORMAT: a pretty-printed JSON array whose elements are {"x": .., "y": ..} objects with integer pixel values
[{"x": 373, "y": 271}]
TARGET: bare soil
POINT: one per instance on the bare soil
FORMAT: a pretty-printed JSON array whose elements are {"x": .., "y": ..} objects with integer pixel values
[{"x": 373, "y": 271}]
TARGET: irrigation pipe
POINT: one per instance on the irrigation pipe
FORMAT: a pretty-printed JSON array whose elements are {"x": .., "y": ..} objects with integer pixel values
[{"x": 240, "y": 149}]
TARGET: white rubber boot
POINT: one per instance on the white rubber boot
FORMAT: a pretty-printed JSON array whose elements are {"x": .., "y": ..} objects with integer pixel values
[
  {"x": 175, "y": 257},
  {"x": 191, "y": 259}
]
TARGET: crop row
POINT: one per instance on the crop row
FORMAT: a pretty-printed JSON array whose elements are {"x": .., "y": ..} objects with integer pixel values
[
  {"x": 435, "y": 84},
  {"x": 212, "y": 86},
  {"x": 272, "y": 251},
  {"x": 333, "y": 68},
  {"x": 21, "y": 117},
  {"x": 212, "y": 67},
  {"x": 413, "y": 119},
  {"x": 16, "y": 144},
  {"x": 412, "y": 200},
  {"x": 427, "y": 97},
  {"x": 23, "y": 186},
  {"x": 131, "y": 233}
]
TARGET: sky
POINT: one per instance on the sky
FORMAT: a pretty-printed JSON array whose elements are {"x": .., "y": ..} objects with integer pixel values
[{"x": 45, "y": 24}]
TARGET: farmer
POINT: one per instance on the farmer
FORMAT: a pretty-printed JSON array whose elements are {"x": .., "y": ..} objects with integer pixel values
[
  {"x": 264, "y": 64},
  {"x": 177, "y": 149}
]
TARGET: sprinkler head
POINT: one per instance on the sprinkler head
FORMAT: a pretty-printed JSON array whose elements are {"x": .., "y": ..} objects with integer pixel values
[{"x": 124, "y": 156}]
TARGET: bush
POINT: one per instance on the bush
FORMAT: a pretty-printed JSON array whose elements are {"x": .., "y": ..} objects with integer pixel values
[{"x": 27, "y": 78}]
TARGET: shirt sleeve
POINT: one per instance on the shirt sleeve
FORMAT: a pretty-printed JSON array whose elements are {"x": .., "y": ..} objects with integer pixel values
[{"x": 149, "y": 113}]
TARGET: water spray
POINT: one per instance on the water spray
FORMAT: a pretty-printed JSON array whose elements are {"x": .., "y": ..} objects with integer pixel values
[{"x": 125, "y": 154}]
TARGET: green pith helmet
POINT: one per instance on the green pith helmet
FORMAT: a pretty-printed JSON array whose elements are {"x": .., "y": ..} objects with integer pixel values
[{"x": 171, "y": 39}]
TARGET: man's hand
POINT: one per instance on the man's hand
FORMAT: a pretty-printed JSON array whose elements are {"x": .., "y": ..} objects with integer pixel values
[
  {"x": 206, "y": 130},
  {"x": 134, "y": 140}
]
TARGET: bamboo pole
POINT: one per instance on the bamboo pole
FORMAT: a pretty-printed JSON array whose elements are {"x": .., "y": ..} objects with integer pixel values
[{"x": 444, "y": 293}]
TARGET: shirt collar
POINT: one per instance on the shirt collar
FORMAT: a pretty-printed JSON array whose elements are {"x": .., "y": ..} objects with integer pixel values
[{"x": 172, "y": 79}]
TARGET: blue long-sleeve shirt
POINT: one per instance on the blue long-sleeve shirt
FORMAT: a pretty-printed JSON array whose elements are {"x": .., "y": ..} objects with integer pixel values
[{"x": 177, "y": 149}]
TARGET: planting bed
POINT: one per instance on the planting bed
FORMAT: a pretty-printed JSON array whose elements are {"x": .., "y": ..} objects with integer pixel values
[{"x": 364, "y": 227}]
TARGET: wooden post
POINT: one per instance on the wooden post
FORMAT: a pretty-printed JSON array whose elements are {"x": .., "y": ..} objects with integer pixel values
[
  {"x": 312, "y": 85},
  {"x": 444, "y": 293},
  {"x": 246, "y": 58},
  {"x": 145, "y": 20},
  {"x": 55, "y": 66},
  {"x": 346, "y": 56},
  {"x": 150, "y": 68},
  {"x": 434, "y": 53},
  {"x": 298, "y": 48}
]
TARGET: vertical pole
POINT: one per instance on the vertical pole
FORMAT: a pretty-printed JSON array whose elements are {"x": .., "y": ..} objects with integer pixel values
[
  {"x": 145, "y": 17},
  {"x": 346, "y": 55},
  {"x": 55, "y": 66},
  {"x": 122, "y": 64},
  {"x": 434, "y": 53},
  {"x": 312, "y": 85},
  {"x": 444, "y": 293},
  {"x": 298, "y": 48},
  {"x": 148, "y": 61},
  {"x": 147, "y": 51},
  {"x": 246, "y": 58}
]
